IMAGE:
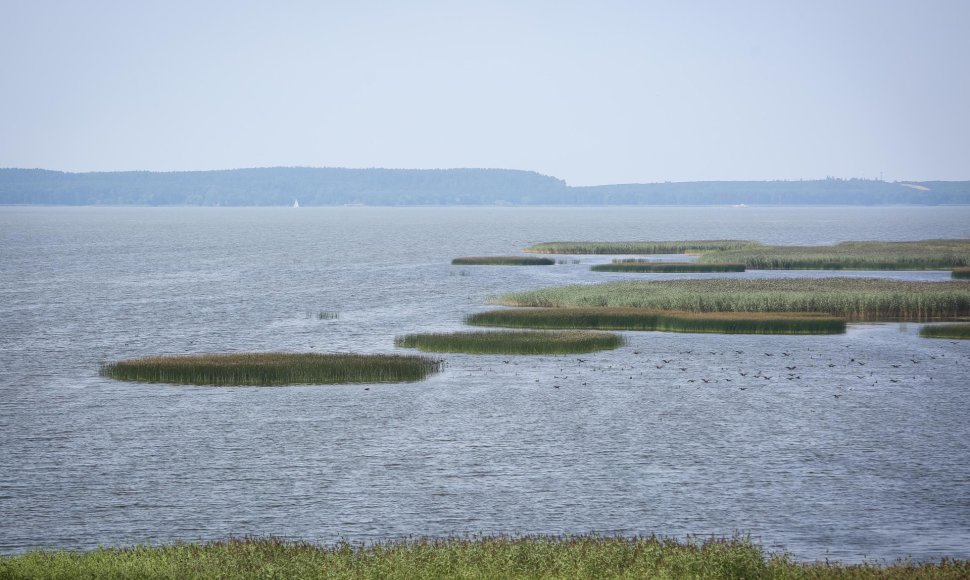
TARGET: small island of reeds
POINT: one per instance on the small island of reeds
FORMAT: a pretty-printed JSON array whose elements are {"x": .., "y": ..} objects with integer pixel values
[
  {"x": 502, "y": 261},
  {"x": 855, "y": 299},
  {"x": 666, "y": 321},
  {"x": 952, "y": 331},
  {"x": 538, "y": 557},
  {"x": 272, "y": 369},
  {"x": 961, "y": 273},
  {"x": 865, "y": 255},
  {"x": 527, "y": 342},
  {"x": 659, "y": 247},
  {"x": 665, "y": 267}
]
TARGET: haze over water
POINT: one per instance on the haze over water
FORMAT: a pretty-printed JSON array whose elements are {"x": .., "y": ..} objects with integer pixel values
[{"x": 488, "y": 446}]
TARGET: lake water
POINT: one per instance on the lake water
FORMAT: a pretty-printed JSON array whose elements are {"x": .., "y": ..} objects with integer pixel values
[{"x": 861, "y": 452}]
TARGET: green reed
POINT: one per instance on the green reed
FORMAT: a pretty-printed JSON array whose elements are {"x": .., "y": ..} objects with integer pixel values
[
  {"x": 667, "y": 321},
  {"x": 656, "y": 247},
  {"x": 957, "y": 331},
  {"x": 855, "y": 299},
  {"x": 915, "y": 255},
  {"x": 533, "y": 557},
  {"x": 961, "y": 273},
  {"x": 665, "y": 267},
  {"x": 544, "y": 342},
  {"x": 502, "y": 261},
  {"x": 272, "y": 369}
]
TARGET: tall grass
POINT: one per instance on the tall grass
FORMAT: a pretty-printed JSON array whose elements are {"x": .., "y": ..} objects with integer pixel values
[
  {"x": 272, "y": 368},
  {"x": 668, "y": 321},
  {"x": 539, "y": 557},
  {"x": 957, "y": 331},
  {"x": 675, "y": 247},
  {"x": 917, "y": 255},
  {"x": 665, "y": 267},
  {"x": 855, "y": 299},
  {"x": 502, "y": 261},
  {"x": 561, "y": 342},
  {"x": 961, "y": 273}
]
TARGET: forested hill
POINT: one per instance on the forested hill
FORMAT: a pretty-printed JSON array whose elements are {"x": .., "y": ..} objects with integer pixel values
[{"x": 335, "y": 186}]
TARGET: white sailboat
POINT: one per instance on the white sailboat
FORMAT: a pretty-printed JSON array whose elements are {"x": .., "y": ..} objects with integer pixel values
[{"x": 296, "y": 203}]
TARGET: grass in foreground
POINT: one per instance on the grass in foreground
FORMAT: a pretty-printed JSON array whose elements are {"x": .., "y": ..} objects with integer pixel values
[
  {"x": 855, "y": 299},
  {"x": 502, "y": 261},
  {"x": 499, "y": 557},
  {"x": 961, "y": 273},
  {"x": 957, "y": 331},
  {"x": 665, "y": 267},
  {"x": 562, "y": 342},
  {"x": 669, "y": 321},
  {"x": 272, "y": 369},
  {"x": 676, "y": 247}
]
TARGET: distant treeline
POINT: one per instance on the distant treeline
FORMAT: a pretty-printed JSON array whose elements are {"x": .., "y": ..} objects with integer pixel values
[{"x": 336, "y": 186}]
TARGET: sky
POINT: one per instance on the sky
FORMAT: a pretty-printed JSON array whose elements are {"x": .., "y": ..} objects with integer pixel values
[{"x": 591, "y": 92}]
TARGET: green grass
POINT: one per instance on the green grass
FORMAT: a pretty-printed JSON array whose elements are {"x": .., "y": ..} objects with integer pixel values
[
  {"x": 561, "y": 342},
  {"x": 855, "y": 299},
  {"x": 502, "y": 261},
  {"x": 667, "y": 321},
  {"x": 536, "y": 557},
  {"x": 665, "y": 267},
  {"x": 675, "y": 247},
  {"x": 957, "y": 331},
  {"x": 918, "y": 255},
  {"x": 272, "y": 368},
  {"x": 961, "y": 273}
]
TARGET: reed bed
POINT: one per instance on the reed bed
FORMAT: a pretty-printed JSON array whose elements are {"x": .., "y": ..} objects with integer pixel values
[
  {"x": 674, "y": 247},
  {"x": 917, "y": 255},
  {"x": 272, "y": 369},
  {"x": 666, "y": 321},
  {"x": 502, "y": 261},
  {"x": 534, "y": 557},
  {"x": 954, "y": 331},
  {"x": 528, "y": 342},
  {"x": 961, "y": 273},
  {"x": 855, "y": 299},
  {"x": 665, "y": 267}
]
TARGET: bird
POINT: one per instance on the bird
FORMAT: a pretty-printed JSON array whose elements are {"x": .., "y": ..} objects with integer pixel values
[
  {"x": 791, "y": 368},
  {"x": 896, "y": 366}
]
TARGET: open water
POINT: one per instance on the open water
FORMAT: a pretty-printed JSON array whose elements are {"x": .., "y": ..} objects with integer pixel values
[{"x": 860, "y": 451}]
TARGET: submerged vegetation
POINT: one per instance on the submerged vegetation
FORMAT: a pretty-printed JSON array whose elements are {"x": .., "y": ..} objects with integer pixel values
[
  {"x": 668, "y": 321},
  {"x": 957, "y": 331},
  {"x": 272, "y": 368},
  {"x": 665, "y": 267},
  {"x": 855, "y": 299},
  {"x": 961, "y": 273},
  {"x": 676, "y": 247},
  {"x": 488, "y": 557},
  {"x": 538, "y": 342},
  {"x": 502, "y": 261}
]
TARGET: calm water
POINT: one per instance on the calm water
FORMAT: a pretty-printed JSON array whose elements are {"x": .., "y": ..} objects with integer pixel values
[{"x": 861, "y": 451}]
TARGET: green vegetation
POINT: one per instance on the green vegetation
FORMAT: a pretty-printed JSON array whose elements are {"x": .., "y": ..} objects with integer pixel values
[
  {"x": 681, "y": 247},
  {"x": 562, "y": 342},
  {"x": 536, "y": 557},
  {"x": 855, "y": 299},
  {"x": 961, "y": 273},
  {"x": 668, "y": 321},
  {"x": 272, "y": 368},
  {"x": 665, "y": 267},
  {"x": 957, "y": 331},
  {"x": 921, "y": 255},
  {"x": 502, "y": 261}
]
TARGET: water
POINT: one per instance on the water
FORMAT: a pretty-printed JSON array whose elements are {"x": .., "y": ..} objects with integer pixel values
[{"x": 839, "y": 458}]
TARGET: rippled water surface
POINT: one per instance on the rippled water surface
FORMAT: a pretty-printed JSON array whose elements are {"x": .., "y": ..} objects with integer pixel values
[{"x": 857, "y": 446}]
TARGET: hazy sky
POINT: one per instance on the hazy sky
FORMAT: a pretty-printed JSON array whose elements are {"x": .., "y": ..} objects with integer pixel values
[{"x": 592, "y": 92}]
